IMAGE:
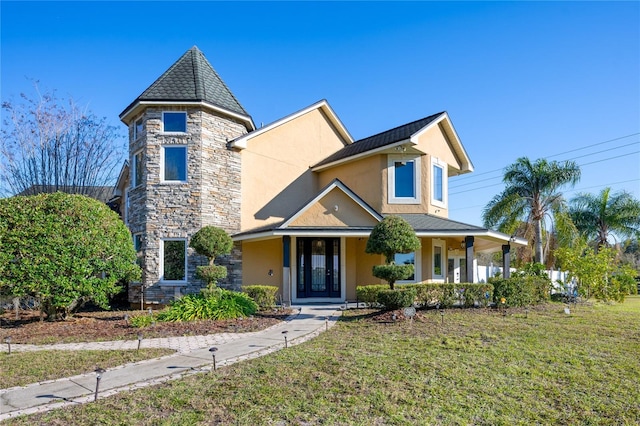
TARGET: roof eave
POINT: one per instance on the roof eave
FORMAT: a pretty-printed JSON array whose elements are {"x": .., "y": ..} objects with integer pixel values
[{"x": 131, "y": 111}]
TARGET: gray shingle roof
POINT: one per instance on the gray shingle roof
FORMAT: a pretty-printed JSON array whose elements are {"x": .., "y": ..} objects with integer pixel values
[
  {"x": 427, "y": 222},
  {"x": 388, "y": 137},
  {"x": 192, "y": 78}
]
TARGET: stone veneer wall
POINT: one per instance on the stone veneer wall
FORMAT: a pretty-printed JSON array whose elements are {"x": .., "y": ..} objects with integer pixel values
[{"x": 211, "y": 196}]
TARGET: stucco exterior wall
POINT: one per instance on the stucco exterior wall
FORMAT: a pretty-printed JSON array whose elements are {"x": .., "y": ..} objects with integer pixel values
[
  {"x": 335, "y": 209},
  {"x": 260, "y": 257},
  {"x": 365, "y": 177},
  {"x": 275, "y": 167}
]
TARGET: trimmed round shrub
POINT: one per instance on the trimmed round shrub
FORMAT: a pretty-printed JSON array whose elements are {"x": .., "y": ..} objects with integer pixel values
[
  {"x": 369, "y": 293},
  {"x": 263, "y": 295},
  {"x": 396, "y": 299}
]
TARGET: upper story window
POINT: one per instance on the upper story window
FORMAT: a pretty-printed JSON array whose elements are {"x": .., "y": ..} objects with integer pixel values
[
  {"x": 174, "y": 122},
  {"x": 174, "y": 163},
  {"x": 404, "y": 179},
  {"x": 438, "y": 183},
  {"x": 136, "y": 169},
  {"x": 138, "y": 126}
]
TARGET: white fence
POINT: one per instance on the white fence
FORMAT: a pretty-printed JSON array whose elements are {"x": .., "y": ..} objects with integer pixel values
[{"x": 481, "y": 274}]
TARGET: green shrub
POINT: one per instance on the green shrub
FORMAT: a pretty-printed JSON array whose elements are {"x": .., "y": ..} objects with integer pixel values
[
  {"x": 521, "y": 290},
  {"x": 142, "y": 320},
  {"x": 369, "y": 293},
  {"x": 396, "y": 299},
  {"x": 263, "y": 295},
  {"x": 219, "y": 304}
]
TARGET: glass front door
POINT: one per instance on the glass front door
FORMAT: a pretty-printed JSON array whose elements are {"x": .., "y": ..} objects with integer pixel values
[
  {"x": 318, "y": 267},
  {"x": 456, "y": 269}
]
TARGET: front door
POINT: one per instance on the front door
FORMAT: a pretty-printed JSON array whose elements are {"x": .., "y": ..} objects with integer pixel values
[
  {"x": 456, "y": 269},
  {"x": 318, "y": 273}
]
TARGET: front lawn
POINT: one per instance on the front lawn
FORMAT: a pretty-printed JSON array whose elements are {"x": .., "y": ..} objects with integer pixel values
[{"x": 539, "y": 366}]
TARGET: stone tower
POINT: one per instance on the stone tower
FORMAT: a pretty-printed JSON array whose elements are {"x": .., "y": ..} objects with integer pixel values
[{"x": 182, "y": 175}]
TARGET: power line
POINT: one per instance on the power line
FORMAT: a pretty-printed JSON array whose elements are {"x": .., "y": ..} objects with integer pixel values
[
  {"x": 580, "y": 165},
  {"x": 555, "y": 155}
]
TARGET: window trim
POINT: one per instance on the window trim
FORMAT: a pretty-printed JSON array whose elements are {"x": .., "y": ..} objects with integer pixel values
[
  {"x": 163, "y": 159},
  {"x": 136, "y": 133},
  {"x": 134, "y": 170},
  {"x": 174, "y": 132},
  {"x": 441, "y": 245},
  {"x": 391, "y": 179},
  {"x": 140, "y": 236},
  {"x": 161, "y": 265},
  {"x": 436, "y": 162},
  {"x": 417, "y": 268}
]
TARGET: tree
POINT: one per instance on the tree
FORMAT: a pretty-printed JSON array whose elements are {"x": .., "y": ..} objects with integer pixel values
[
  {"x": 530, "y": 195},
  {"x": 63, "y": 250},
  {"x": 390, "y": 236},
  {"x": 599, "y": 273},
  {"x": 211, "y": 242},
  {"x": 50, "y": 146},
  {"x": 597, "y": 217}
]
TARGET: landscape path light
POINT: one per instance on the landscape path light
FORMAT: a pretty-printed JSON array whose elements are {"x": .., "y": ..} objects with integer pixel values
[
  {"x": 7, "y": 340},
  {"x": 285, "y": 338},
  {"x": 213, "y": 351},
  {"x": 442, "y": 316},
  {"x": 139, "y": 340},
  {"x": 98, "y": 372}
]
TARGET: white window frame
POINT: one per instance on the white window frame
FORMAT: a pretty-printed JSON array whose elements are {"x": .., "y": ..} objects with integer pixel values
[
  {"x": 173, "y": 132},
  {"x": 134, "y": 169},
  {"x": 173, "y": 282},
  {"x": 436, "y": 162},
  {"x": 440, "y": 244},
  {"x": 417, "y": 269},
  {"x": 391, "y": 178},
  {"x": 136, "y": 132},
  {"x": 126, "y": 206},
  {"x": 162, "y": 163}
]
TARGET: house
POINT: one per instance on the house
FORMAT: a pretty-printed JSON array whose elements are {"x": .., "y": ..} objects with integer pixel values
[{"x": 298, "y": 196}]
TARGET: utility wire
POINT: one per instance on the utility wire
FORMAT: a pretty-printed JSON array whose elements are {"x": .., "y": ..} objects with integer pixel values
[
  {"x": 580, "y": 165},
  {"x": 554, "y": 155}
]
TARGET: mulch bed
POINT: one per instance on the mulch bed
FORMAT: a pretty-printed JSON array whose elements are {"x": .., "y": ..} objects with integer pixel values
[{"x": 111, "y": 325}]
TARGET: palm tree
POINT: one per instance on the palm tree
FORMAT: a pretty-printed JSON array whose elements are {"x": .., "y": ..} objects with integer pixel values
[
  {"x": 530, "y": 194},
  {"x": 597, "y": 217}
]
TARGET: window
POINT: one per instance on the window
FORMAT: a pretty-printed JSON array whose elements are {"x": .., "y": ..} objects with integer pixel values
[
  {"x": 174, "y": 122},
  {"x": 404, "y": 180},
  {"x": 137, "y": 246},
  {"x": 174, "y": 260},
  {"x": 136, "y": 169},
  {"x": 438, "y": 183},
  {"x": 138, "y": 126},
  {"x": 438, "y": 261},
  {"x": 174, "y": 163},
  {"x": 407, "y": 259}
]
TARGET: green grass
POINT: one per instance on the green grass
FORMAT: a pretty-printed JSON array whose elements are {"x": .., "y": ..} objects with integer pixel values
[
  {"x": 22, "y": 368},
  {"x": 480, "y": 368}
]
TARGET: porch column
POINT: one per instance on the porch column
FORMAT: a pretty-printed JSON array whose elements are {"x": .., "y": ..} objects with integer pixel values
[
  {"x": 506, "y": 260},
  {"x": 468, "y": 242},
  {"x": 286, "y": 270}
]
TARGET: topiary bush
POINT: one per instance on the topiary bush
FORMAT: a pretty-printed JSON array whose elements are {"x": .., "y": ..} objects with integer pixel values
[
  {"x": 263, "y": 295},
  {"x": 396, "y": 299}
]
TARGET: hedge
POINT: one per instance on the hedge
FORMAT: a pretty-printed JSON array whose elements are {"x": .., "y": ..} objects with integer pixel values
[
  {"x": 521, "y": 291},
  {"x": 444, "y": 295},
  {"x": 397, "y": 298}
]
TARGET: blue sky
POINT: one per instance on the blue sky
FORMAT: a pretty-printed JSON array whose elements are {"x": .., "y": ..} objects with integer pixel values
[{"x": 559, "y": 80}]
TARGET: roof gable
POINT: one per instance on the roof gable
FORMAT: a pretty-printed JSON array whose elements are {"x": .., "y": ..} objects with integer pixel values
[
  {"x": 380, "y": 140},
  {"x": 401, "y": 135},
  {"x": 321, "y": 210},
  {"x": 323, "y": 105},
  {"x": 190, "y": 79}
]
